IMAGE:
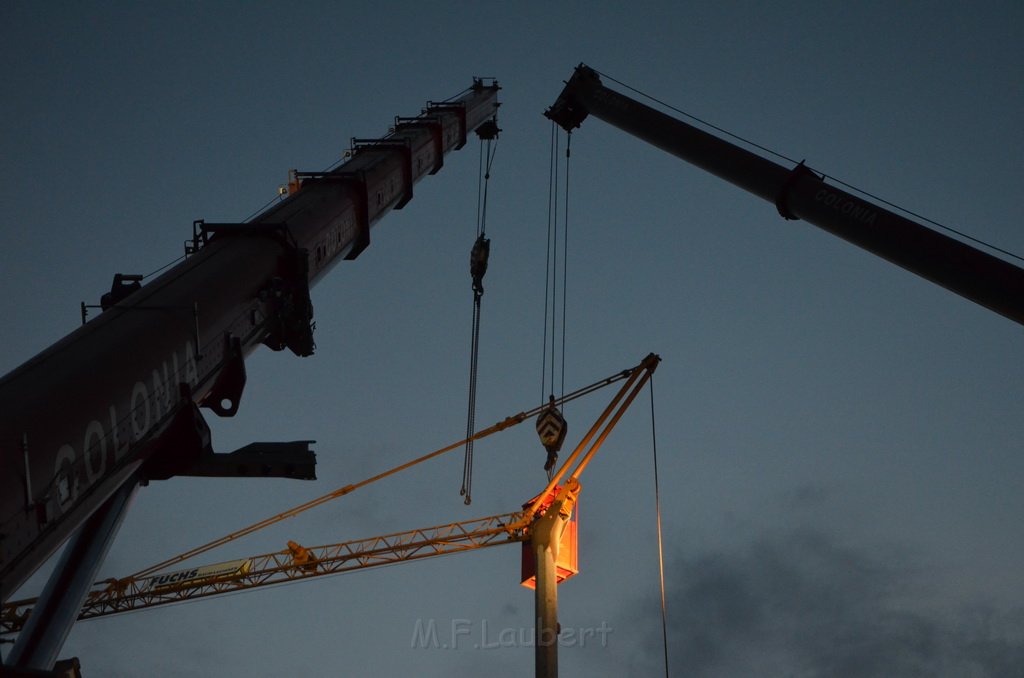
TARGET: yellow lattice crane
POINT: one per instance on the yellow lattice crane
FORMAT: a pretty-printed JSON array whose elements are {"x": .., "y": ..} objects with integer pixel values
[
  {"x": 541, "y": 522},
  {"x": 295, "y": 563}
]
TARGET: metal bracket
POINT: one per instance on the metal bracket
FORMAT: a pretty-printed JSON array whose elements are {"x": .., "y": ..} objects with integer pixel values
[
  {"x": 203, "y": 231},
  {"x": 782, "y": 198},
  {"x": 259, "y": 460},
  {"x": 124, "y": 285},
  {"x": 185, "y": 449},
  {"x": 290, "y": 308},
  {"x": 199, "y": 238},
  {"x": 226, "y": 393}
]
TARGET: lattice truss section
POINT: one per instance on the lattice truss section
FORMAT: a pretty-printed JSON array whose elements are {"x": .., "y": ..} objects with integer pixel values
[{"x": 114, "y": 596}]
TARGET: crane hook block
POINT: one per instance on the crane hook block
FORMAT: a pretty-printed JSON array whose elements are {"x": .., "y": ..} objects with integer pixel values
[
  {"x": 478, "y": 262},
  {"x": 551, "y": 428}
]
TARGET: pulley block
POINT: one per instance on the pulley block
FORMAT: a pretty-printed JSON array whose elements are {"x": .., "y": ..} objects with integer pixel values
[
  {"x": 551, "y": 428},
  {"x": 478, "y": 262}
]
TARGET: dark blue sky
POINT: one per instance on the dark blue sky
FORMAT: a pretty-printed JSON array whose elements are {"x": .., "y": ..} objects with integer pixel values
[{"x": 839, "y": 441}]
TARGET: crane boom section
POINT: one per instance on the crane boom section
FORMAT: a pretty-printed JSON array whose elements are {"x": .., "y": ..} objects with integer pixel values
[
  {"x": 118, "y": 396},
  {"x": 799, "y": 193},
  {"x": 294, "y": 564}
]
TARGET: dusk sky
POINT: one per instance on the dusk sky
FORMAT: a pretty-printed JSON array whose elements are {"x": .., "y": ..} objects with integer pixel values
[{"x": 839, "y": 442}]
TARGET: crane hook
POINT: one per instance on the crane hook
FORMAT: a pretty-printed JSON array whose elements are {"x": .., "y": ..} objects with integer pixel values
[
  {"x": 478, "y": 262},
  {"x": 551, "y": 428}
]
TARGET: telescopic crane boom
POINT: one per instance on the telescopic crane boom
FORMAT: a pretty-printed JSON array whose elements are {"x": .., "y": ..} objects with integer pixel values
[
  {"x": 83, "y": 415},
  {"x": 115, "y": 403},
  {"x": 799, "y": 193}
]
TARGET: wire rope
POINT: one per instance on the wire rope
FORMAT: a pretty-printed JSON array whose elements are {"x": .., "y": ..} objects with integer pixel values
[
  {"x": 565, "y": 258},
  {"x": 547, "y": 262},
  {"x": 553, "y": 244},
  {"x": 164, "y": 267},
  {"x": 555, "y": 274},
  {"x": 478, "y": 267},
  {"x": 657, "y": 511}
]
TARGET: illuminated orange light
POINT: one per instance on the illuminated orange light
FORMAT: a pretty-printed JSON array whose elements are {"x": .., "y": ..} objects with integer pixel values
[{"x": 567, "y": 563}]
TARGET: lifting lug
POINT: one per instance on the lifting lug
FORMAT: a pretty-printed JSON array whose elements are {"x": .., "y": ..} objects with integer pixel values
[{"x": 226, "y": 393}]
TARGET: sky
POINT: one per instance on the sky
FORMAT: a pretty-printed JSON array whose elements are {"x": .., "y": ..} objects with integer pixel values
[{"x": 838, "y": 441}]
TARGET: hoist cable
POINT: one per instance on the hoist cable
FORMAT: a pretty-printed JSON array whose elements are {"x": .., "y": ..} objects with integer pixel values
[
  {"x": 485, "y": 175},
  {"x": 657, "y": 511},
  {"x": 479, "y": 186},
  {"x": 565, "y": 255},
  {"x": 474, "y": 356},
  {"x": 554, "y": 284},
  {"x": 547, "y": 264},
  {"x": 551, "y": 427},
  {"x": 477, "y": 267},
  {"x": 553, "y": 244},
  {"x": 553, "y": 373}
]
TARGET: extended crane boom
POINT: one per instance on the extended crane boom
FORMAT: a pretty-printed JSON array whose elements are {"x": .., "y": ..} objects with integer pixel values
[
  {"x": 115, "y": 403},
  {"x": 799, "y": 193}
]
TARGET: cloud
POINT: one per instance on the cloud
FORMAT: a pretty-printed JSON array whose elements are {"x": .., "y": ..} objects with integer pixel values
[{"x": 800, "y": 604}]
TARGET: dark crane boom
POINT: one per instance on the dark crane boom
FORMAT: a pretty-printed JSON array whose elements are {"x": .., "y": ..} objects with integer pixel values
[
  {"x": 799, "y": 193},
  {"x": 116, "y": 401}
]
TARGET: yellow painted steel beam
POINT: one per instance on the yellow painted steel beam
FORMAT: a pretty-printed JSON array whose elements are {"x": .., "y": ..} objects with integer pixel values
[{"x": 295, "y": 563}]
